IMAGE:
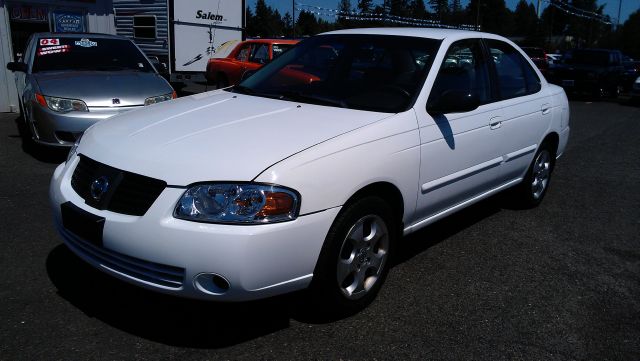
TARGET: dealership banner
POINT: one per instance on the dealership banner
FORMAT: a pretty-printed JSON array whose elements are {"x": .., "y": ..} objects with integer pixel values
[{"x": 68, "y": 22}]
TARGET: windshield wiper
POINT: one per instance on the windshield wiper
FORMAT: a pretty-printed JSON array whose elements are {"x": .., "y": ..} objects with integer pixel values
[{"x": 312, "y": 99}]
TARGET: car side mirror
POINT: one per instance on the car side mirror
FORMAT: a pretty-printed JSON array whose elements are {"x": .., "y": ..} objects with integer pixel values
[
  {"x": 247, "y": 74},
  {"x": 453, "y": 101},
  {"x": 17, "y": 66}
]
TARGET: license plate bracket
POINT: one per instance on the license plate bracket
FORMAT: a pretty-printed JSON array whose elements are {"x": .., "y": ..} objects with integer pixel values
[{"x": 83, "y": 224}]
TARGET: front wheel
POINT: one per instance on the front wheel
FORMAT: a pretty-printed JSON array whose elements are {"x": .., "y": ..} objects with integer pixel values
[{"x": 354, "y": 260}]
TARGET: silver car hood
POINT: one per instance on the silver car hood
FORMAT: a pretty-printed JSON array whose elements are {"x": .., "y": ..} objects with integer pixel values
[
  {"x": 215, "y": 136},
  {"x": 99, "y": 88}
]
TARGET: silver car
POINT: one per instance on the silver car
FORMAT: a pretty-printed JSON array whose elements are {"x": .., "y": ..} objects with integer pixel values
[{"x": 67, "y": 82}]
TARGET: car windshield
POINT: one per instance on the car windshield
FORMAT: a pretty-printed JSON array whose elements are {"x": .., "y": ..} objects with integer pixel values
[
  {"x": 87, "y": 53},
  {"x": 365, "y": 72}
]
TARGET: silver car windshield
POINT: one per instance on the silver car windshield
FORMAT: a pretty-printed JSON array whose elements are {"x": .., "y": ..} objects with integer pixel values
[
  {"x": 86, "y": 53},
  {"x": 365, "y": 72}
]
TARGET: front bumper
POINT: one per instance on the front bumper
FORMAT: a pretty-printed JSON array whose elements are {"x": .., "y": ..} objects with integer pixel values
[
  {"x": 61, "y": 129},
  {"x": 257, "y": 261}
]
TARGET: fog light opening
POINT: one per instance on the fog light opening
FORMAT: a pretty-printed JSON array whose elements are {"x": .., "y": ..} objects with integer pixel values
[
  {"x": 211, "y": 283},
  {"x": 220, "y": 283}
]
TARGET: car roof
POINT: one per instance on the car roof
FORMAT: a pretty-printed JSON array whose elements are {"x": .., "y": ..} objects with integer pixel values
[
  {"x": 76, "y": 35},
  {"x": 431, "y": 33}
]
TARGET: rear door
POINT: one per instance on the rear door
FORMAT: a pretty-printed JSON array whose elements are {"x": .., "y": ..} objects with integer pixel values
[{"x": 526, "y": 108}]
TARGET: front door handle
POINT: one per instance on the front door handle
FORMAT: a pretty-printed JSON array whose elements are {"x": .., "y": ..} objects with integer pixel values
[{"x": 495, "y": 123}]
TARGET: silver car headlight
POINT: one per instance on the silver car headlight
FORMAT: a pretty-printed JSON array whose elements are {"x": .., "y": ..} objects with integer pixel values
[
  {"x": 636, "y": 84},
  {"x": 238, "y": 203},
  {"x": 74, "y": 148},
  {"x": 159, "y": 98},
  {"x": 64, "y": 105}
]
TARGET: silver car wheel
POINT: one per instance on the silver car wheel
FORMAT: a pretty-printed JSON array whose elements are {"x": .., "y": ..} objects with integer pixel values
[
  {"x": 541, "y": 174},
  {"x": 362, "y": 256}
]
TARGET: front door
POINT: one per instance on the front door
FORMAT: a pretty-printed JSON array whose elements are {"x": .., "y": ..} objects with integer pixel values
[{"x": 459, "y": 151}]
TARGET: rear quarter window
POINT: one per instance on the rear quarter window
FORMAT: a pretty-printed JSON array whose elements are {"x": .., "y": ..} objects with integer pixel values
[{"x": 515, "y": 75}]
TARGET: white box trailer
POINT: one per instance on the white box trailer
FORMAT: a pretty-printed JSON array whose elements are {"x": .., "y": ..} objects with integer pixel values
[{"x": 182, "y": 34}]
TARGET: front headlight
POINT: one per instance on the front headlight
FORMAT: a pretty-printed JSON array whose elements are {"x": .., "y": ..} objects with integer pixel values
[
  {"x": 74, "y": 148},
  {"x": 636, "y": 84},
  {"x": 159, "y": 98},
  {"x": 64, "y": 105},
  {"x": 243, "y": 203}
]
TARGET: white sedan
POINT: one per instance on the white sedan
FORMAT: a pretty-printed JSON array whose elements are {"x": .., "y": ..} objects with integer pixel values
[{"x": 308, "y": 173}]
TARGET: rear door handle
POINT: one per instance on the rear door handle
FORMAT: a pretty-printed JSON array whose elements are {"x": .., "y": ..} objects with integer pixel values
[
  {"x": 495, "y": 123},
  {"x": 545, "y": 108}
]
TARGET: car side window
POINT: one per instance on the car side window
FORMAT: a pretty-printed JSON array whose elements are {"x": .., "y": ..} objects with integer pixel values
[
  {"x": 514, "y": 74},
  {"x": 260, "y": 54},
  {"x": 463, "y": 69},
  {"x": 243, "y": 54}
]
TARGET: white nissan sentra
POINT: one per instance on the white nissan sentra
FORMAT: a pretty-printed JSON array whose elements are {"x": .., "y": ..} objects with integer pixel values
[{"x": 308, "y": 173}]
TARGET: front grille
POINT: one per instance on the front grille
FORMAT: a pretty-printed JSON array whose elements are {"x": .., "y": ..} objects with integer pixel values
[
  {"x": 126, "y": 193},
  {"x": 138, "y": 269}
]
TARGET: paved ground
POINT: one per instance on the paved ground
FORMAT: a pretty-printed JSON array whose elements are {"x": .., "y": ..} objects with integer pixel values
[{"x": 558, "y": 282}]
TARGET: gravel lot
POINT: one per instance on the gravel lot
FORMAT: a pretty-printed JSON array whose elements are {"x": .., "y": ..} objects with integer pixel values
[{"x": 558, "y": 282}]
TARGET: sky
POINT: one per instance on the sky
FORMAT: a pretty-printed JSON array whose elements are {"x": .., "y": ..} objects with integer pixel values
[{"x": 611, "y": 7}]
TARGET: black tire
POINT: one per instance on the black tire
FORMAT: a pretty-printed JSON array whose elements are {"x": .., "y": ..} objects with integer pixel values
[
  {"x": 327, "y": 295},
  {"x": 24, "y": 128},
  {"x": 221, "y": 81},
  {"x": 527, "y": 193}
]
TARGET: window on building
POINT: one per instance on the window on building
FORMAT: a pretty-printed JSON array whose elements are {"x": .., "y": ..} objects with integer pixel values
[{"x": 144, "y": 26}]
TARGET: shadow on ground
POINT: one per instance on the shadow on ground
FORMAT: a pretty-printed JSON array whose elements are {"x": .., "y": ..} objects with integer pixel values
[{"x": 181, "y": 322}]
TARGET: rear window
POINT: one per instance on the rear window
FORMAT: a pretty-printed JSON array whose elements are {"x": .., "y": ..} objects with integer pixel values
[
  {"x": 86, "y": 53},
  {"x": 278, "y": 49}
]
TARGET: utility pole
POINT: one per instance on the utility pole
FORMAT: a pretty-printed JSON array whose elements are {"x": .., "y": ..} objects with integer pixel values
[
  {"x": 478, "y": 16},
  {"x": 293, "y": 18},
  {"x": 619, "y": 10}
]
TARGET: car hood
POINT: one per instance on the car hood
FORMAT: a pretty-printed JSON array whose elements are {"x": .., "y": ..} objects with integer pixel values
[
  {"x": 215, "y": 136},
  {"x": 99, "y": 88}
]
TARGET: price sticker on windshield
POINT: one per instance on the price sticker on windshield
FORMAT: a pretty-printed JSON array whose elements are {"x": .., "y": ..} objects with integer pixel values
[
  {"x": 49, "y": 42},
  {"x": 53, "y": 50}
]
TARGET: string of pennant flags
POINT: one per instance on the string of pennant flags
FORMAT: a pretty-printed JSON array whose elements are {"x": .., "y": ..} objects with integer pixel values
[
  {"x": 572, "y": 10},
  {"x": 387, "y": 18},
  {"x": 394, "y": 19}
]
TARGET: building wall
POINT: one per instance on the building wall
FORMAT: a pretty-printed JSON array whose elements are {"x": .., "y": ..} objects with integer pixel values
[
  {"x": 98, "y": 19},
  {"x": 8, "y": 92}
]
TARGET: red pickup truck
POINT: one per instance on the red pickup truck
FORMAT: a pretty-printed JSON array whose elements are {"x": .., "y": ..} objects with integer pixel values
[{"x": 247, "y": 55}]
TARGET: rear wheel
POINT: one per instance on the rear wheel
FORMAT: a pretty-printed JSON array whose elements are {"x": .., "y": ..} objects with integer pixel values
[
  {"x": 354, "y": 260},
  {"x": 536, "y": 182}
]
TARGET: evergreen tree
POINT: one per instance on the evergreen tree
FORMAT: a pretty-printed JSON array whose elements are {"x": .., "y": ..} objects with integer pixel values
[
  {"x": 250, "y": 28},
  {"x": 418, "y": 9},
  {"x": 344, "y": 8},
  {"x": 365, "y": 6},
  {"x": 525, "y": 19},
  {"x": 440, "y": 8},
  {"x": 287, "y": 21},
  {"x": 629, "y": 35},
  {"x": 493, "y": 16}
]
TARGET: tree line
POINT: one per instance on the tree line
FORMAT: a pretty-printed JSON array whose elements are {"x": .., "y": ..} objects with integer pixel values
[{"x": 555, "y": 29}]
